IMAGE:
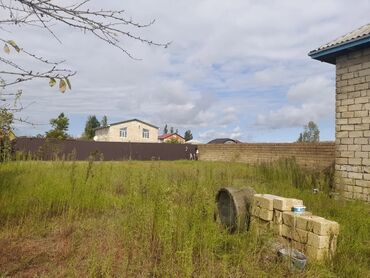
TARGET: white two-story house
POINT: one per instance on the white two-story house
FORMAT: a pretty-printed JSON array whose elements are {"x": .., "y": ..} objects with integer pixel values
[{"x": 128, "y": 131}]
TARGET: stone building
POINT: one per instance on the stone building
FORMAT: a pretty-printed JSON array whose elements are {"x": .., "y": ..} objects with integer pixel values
[
  {"x": 351, "y": 55},
  {"x": 128, "y": 131}
]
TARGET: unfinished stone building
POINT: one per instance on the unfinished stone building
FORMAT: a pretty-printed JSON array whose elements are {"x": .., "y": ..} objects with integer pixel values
[{"x": 351, "y": 55}]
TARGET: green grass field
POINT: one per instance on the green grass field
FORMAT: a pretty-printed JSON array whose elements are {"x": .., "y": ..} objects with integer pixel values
[{"x": 156, "y": 219}]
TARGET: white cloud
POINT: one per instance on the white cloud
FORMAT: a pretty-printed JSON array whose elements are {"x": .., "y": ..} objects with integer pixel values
[
  {"x": 236, "y": 133},
  {"x": 316, "y": 97},
  {"x": 210, "y": 134}
]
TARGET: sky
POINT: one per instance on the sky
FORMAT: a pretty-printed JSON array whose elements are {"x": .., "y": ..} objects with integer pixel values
[{"x": 236, "y": 69}]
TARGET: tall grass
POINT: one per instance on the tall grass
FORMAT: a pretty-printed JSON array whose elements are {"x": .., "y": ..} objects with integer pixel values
[{"x": 123, "y": 219}]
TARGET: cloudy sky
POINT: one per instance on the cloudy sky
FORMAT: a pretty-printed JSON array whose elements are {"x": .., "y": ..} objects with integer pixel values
[{"x": 234, "y": 69}]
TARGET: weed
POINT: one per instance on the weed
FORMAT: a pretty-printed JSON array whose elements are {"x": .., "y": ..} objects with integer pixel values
[{"x": 155, "y": 218}]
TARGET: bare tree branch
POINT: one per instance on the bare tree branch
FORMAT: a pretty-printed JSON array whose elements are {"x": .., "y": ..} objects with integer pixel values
[{"x": 110, "y": 26}]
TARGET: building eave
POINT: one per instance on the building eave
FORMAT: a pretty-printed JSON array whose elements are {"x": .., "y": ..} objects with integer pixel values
[{"x": 329, "y": 54}]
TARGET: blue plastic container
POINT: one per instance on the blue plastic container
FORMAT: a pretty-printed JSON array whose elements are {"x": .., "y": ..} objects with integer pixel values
[{"x": 298, "y": 209}]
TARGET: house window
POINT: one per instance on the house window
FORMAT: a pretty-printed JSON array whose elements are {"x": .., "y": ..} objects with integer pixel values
[
  {"x": 123, "y": 132},
  {"x": 145, "y": 133}
]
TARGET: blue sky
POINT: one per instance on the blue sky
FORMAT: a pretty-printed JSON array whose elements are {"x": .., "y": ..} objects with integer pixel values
[{"x": 234, "y": 69}]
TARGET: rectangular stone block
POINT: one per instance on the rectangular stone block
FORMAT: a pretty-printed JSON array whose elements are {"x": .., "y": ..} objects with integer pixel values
[
  {"x": 363, "y": 127},
  {"x": 342, "y": 108},
  {"x": 264, "y": 200},
  {"x": 320, "y": 242},
  {"x": 341, "y": 160},
  {"x": 341, "y": 71},
  {"x": 361, "y": 100},
  {"x": 278, "y": 217},
  {"x": 348, "y": 181},
  {"x": 356, "y": 134},
  {"x": 342, "y": 134},
  {"x": 354, "y": 147},
  {"x": 260, "y": 225},
  {"x": 347, "y": 102},
  {"x": 324, "y": 227},
  {"x": 286, "y": 231},
  {"x": 365, "y": 148},
  {"x": 277, "y": 229},
  {"x": 357, "y": 67},
  {"x": 316, "y": 254},
  {"x": 290, "y": 218},
  {"x": 351, "y": 121},
  {"x": 364, "y": 72},
  {"x": 361, "y": 154},
  {"x": 301, "y": 222},
  {"x": 347, "y": 114},
  {"x": 299, "y": 235},
  {"x": 349, "y": 154},
  {"x": 347, "y": 141},
  {"x": 298, "y": 245},
  {"x": 354, "y": 175},
  {"x": 359, "y": 196},
  {"x": 367, "y": 133},
  {"x": 363, "y": 183},
  {"x": 286, "y": 204},
  {"x": 266, "y": 214},
  {"x": 310, "y": 220},
  {"x": 345, "y": 121},
  {"x": 256, "y": 211},
  {"x": 333, "y": 244},
  {"x": 354, "y": 94},
  {"x": 361, "y": 113},
  {"x": 348, "y": 195},
  {"x": 355, "y": 81},
  {"x": 355, "y": 161},
  {"x": 346, "y": 76},
  {"x": 340, "y": 95},
  {"x": 365, "y": 120},
  {"x": 360, "y": 87},
  {"x": 355, "y": 107},
  {"x": 294, "y": 233}
]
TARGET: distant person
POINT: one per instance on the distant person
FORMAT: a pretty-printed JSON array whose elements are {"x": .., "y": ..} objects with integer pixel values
[
  {"x": 196, "y": 153},
  {"x": 186, "y": 153}
]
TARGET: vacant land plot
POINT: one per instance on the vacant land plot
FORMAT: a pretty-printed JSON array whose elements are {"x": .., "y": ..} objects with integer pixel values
[{"x": 156, "y": 219}]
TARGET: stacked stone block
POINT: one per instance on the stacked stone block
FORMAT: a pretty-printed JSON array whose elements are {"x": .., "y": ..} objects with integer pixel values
[
  {"x": 353, "y": 125},
  {"x": 313, "y": 235}
]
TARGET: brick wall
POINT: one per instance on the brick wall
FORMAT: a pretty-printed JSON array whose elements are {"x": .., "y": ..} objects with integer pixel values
[
  {"x": 353, "y": 124},
  {"x": 314, "y": 156}
]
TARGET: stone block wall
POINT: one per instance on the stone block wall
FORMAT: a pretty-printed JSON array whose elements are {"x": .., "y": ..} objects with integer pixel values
[
  {"x": 315, "y": 236},
  {"x": 353, "y": 125},
  {"x": 315, "y": 156}
]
